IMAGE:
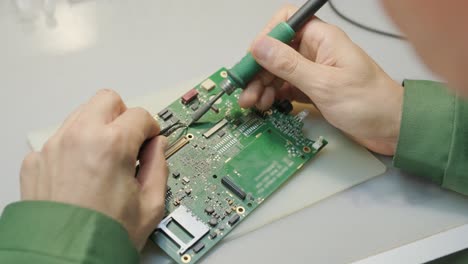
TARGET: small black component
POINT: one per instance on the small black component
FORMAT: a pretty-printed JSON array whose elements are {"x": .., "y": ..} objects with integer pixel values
[
  {"x": 198, "y": 247},
  {"x": 195, "y": 106},
  {"x": 237, "y": 122},
  {"x": 188, "y": 191},
  {"x": 163, "y": 112},
  {"x": 231, "y": 186},
  {"x": 167, "y": 115},
  {"x": 209, "y": 210},
  {"x": 213, "y": 222},
  {"x": 221, "y": 133},
  {"x": 284, "y": 106},
  {"x": 176, "y": 175},
  {"x": 215, "y": 109},
  {"x": 213, "y": 235},
  {"x": 234, "y": 219}
]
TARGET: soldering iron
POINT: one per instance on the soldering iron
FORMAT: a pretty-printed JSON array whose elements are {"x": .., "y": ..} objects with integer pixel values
[{"x": 245, "y": 70}]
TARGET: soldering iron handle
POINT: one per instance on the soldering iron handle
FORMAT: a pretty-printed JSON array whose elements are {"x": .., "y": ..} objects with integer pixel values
[{"x": 244, "y": 71}]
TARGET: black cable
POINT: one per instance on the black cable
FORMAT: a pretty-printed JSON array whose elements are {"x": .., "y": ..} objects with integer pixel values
[
  {"x": 362, "y": 26},
  {"x": 305, "y": 13},
  {"x": 172, "y": 128}
]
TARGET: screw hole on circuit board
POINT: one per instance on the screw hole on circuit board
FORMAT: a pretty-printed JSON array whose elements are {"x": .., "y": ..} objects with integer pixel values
[
  {"x": 215, "y": 176},
  {"x": 249, "y": 204},
  {"x": 240, "y": 210},
  {"x": 306, "y": 149},
  {"x": 186, "y": 258},
  {"x": 224, "y": 74},
  {"x": 189, "y": 136}
]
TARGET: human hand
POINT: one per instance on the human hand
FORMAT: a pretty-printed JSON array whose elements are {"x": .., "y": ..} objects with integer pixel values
[
  {"x": 90, "y": 162},
  {"x": 326, "y": 68}
]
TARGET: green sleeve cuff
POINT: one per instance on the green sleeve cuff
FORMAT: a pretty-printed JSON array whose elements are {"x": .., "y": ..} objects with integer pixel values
[
  {"x": 426, "y": 129},
  {"x": 49, "y": 232}
]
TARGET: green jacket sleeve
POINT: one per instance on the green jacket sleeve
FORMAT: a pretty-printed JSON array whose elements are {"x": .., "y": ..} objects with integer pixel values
[
  {"x": 47, "y": 232},
  {"x": 433, "y": 139}
]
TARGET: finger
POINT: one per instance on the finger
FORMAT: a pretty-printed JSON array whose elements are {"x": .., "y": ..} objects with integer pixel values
[
  {"x": 266, "y": 77},
  {"x": 267, "y": 98},
  {"x": 291, "y": 93},
  {"x": 252, "y": 94},
  {"x": 71, "y": 119},
  {"x": 138, "y": 125},
  {"x": 287, "y": 64},
  {"x": 152, "y": 177},
  {"x": 28, "y": 176},
  {"x": 153, "y": 167},
  {"x": 277, "y": 83},
  {"x": 104, "y": 107},
  {"x": 320, "y": 42}
]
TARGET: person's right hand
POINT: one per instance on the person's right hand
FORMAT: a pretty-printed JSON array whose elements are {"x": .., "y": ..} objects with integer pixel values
[{"x": 352, "y": 92}]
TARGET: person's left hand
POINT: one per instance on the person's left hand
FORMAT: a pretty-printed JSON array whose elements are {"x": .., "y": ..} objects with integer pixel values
[{"x": 90, "y": 162}]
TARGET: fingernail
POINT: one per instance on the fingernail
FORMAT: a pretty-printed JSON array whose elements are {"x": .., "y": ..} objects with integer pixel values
[{"x": 263, "y": 48}]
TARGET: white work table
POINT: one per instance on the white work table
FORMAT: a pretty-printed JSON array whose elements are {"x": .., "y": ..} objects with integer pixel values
[{"x": 140, "y": 47}]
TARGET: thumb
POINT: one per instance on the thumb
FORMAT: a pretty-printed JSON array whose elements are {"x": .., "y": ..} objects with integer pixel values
[
  {"x": 286, "y": 63},
  {"x": 152, "y": 174}
]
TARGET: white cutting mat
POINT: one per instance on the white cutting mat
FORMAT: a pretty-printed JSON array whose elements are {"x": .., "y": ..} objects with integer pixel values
[{"x": 341, "y": 165}]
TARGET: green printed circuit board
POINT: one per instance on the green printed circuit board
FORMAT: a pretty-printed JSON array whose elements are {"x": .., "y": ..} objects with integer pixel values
[{"x": 224, "y": 166}]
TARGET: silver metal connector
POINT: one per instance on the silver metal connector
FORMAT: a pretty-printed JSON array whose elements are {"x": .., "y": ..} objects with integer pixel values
[{"x": 227, "y": 86}]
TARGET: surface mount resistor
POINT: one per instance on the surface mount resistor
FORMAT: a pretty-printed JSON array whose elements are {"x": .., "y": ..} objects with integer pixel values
[{"x": 189, "y": 96}]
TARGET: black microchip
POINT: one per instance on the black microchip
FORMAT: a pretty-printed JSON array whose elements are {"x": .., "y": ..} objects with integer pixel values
[
  {"x": 163, "y": 112},
  {"x": 221, "y": 133},
  {"x": 228, "y": 183},
  {"x": 166, "y": 116},
  {"x": 213, "y": 235},
  {"x": 233, "y": 220},
  {"x": 176, "y": 174},
  {"x": 198, "y": 247}
]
